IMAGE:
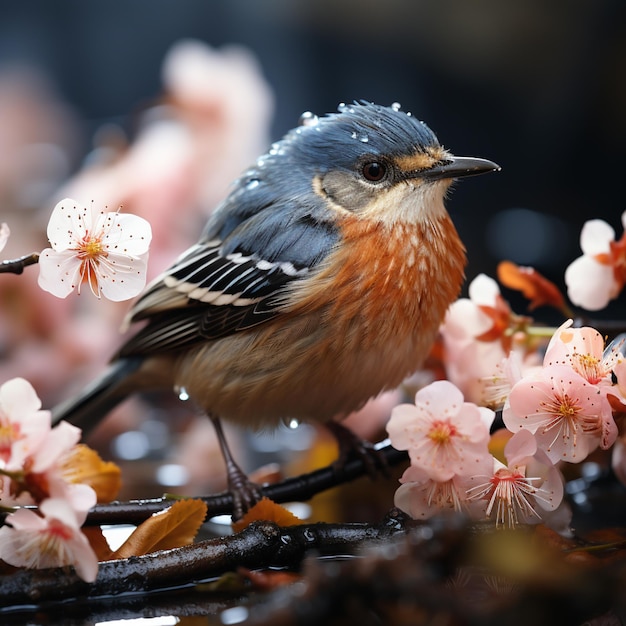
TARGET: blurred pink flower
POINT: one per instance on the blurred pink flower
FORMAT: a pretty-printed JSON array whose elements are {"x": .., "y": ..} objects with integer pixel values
[
  {"x": 108, "y": 250},
  {"x": 568, "y": 416},
  {"x": 5, "y": 233},
  {"x": 520, "y": 492},
  {"x": 443, "y": 434},
  {"x": 478, "y": 334},
  {"x": 23, "y": 426},
  {"x": 600, "y": 274},
  {"x": 53, "y": 539},
  {"x": 41, "y": 474}
]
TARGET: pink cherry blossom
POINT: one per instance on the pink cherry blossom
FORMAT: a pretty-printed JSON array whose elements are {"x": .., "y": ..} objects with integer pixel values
[
  {"x": 568, "y": 416},
  {"x": 107, "y": 250},
  {"x": 600, "y": 274},
  {"x": 51, "y": 539},
  {"x": 41, "y": 475},
  {"x": 443, "y": 434},
  {"x": 421, "y": 497},
  {"x": 583, "y": 350},
  {"x": 479, "y": 333},
  {"x": 521, "y": 491},
  {"x": 23, "y": 425}
]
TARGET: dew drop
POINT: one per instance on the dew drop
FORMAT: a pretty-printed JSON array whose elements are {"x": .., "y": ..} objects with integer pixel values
[
  {"x": 364, "y": 138},
  {"x": 396, "y": 106},
  {"x": 293, "y": 423},
  {"x": 308, "y": 119},
  {"x": 253, "y": 183},
  {"x": 183, "y": 394}
]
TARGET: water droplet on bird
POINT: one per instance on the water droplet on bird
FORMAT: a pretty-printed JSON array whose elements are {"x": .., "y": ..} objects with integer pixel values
[
  {"x": 364, "y": 138},
  {"x": 342, "y": 107},
  {"x": 293, "y": 423},
  {"x": 396, "y": 106},
  {"x": 253, "y": 183},
  {"x": 183, "y": 394},
  {"x": 353, "y": 135},
  {"x": 308, "y": 119}
]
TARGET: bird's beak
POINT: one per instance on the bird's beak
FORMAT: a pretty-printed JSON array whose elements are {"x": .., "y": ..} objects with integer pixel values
[{"x": 456, "y": 167}]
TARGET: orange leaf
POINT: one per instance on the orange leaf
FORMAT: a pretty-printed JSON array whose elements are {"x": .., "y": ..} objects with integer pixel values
[
  {"x": 538, "y": 289},
  {"x": 98, "y": 542},
  {"x": 267, "y": 510},
  {"x": 174, "y": 527},
  {"x": 83, "y": 465}
]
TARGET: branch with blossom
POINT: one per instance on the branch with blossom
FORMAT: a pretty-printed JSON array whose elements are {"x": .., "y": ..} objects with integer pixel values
[{"x": 561, "y": 392}]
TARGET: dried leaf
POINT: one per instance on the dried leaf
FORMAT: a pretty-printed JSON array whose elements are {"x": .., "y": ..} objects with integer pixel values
[
  {"x": 171, "y": 528},
  {"x": 538, "y": 289},
  {"x": 83, "y": 465},
  {"x": 98, "y": 542},
  {"x": 267, "y": 510}
]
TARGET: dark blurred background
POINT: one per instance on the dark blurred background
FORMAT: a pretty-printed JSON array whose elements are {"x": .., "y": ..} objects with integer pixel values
[{"x": 537, "y": 86}]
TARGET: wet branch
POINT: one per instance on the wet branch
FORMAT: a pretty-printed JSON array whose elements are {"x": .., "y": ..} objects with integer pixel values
[
  {"x": 300, "y": 488},
  {"x": 262, "y": 544}
]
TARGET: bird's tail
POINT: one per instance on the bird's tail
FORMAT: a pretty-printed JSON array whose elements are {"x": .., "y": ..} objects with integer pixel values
[{"x": 92, "y": 404}]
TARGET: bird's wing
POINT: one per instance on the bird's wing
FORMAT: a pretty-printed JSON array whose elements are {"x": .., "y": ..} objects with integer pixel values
[{"x": 222, "y": 286}]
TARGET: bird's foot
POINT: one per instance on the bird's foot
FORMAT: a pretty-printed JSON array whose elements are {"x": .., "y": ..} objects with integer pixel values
[
  {"x": 245, "y": 493},
  {"x": 350, "y": 446}
]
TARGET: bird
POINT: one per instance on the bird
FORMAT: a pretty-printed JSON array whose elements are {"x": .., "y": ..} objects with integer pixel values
[{"x": 318, "y": 283}]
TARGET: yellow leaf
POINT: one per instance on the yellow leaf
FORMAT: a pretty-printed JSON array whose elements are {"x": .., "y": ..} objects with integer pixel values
[
  {"x": 267, "y": 510},
  {"x": 174, "y": 527},
  {"x": 83, "y": 465}
]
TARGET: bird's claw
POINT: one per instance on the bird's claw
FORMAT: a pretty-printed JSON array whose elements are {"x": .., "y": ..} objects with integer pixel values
[
  {"x": 350, "y": 445},
  {"x": 245, "y": 493}
]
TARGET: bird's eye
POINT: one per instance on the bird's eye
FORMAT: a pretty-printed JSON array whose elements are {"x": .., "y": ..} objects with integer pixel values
[{"x": 374, "y": 171}]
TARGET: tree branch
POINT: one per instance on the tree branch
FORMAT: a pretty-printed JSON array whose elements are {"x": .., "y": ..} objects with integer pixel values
[
  {"x": 262, "y": 544},
  {"x": 301, "y": 487},
  {"x": 16, "y": 266}
]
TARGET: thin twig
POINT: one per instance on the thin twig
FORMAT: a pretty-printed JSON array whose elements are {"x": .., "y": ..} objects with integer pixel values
[
  {"x": 16, "y": 266},
  {"x": 299, "y": 488}
]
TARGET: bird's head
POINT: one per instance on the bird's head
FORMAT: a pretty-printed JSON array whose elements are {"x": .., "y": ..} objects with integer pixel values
[{"x": 372, "y": 161}]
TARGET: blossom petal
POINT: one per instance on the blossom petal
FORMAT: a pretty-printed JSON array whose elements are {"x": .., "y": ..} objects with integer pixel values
[
  {"x": 590, "y": 284},
  {"x": 17, "y": 396},
  {"x": 520, "y": 446},
  {"x": 121, "y": 277},
  {"x": 59, "y": 272},
  {"x": 595, "y": 237},
  {"x": 464, "y": 321},
  {"x": 400, "y": 426},
  {"x": 60, "y": 439},
  {"x": 484, "y": 290},
  {"x": 440, "y": 399},
  {"x": 5, "y": 233},
  {"x": 69, "y": 221},
  {"x": 128, "y": 235}
]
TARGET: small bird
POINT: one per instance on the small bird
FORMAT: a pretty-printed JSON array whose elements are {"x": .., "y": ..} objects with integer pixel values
[{"x": 319, "y": 282}]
